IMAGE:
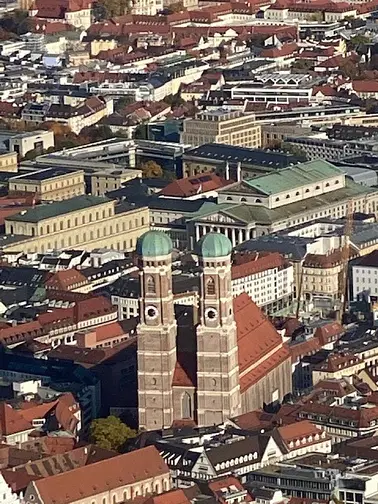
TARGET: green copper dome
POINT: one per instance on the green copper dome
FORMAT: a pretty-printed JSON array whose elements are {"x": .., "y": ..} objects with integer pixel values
[
  {"x": 214, "y": 245},
  {"x": 153, "y": 244}
]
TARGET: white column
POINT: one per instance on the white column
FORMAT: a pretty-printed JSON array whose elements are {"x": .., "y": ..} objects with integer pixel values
[
  {"x": 240, "y": 236},
  {"x": 233, "y": 234},
  {"x": 197, "y": 233}
]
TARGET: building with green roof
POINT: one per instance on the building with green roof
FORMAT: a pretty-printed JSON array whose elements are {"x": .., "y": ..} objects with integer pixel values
[
  {"x": 276, "y": 201},
  {"x": 84, "y": 222}
]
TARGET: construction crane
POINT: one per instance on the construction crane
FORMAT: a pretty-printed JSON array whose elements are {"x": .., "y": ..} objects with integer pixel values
[{"x": 345, "y": 252}]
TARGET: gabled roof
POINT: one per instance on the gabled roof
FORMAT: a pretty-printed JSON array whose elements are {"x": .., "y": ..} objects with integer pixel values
[
  {"x": 11, "y": 421},
  {"x": 197, "y": 184},
  {"x": 295, "y": 176},
  {"x": 66, "y": 279},
  {"x": 227, "y": 451},
  {"x": 91, "y": 480},
  {"x": 298, "y": 430},
  {"x": 250, "y": 264}
]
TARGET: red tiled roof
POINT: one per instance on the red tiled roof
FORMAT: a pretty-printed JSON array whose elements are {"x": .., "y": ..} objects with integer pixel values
[
  {"x": 258, "y": 372},
  {"x": 66, "y": 279},
  {"x": 185, "y": 370},
  {"x": 197, "y": 184},
  {"x": 308, "y": 347},
  {"x": 338, "y": 361},
  {"x": 325, "y": 90},
  {"x": 250, "y": 264},
  {"x": 277, "y": 52},
  {"x": 108, "y": 331},
  {"x": 31, "y": 411},
  {"x": 218, "y": 486},
  {"x": 93, "y": 307},
  {"x": 18, "y": 480},
  {"x": 11, "y": 420},
  {"x": 329, "y": 332},
  {"x": 365, "y": 86},
  {"x": 362, "y": 417},
  {"x": 173, "y": 497},
  {"x": 85, "y": 482},
  {"x": 256, "y": 334},
  {"x": 297, "y": 430}
]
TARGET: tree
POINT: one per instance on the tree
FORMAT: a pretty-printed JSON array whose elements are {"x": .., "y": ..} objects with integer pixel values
[
  {"x": 302, "y": 64},
  {"x": 294, "y": 150},
  {"x": 97, "y": 133},
  {"x": 110, "y": 433},
  {"x": 350, "y": 69},
  {"x": 317, "y": 16},
  {"x": 151, "y": 169},
  {"x": 17, "y": 22},
  {"x": 112, "y": 8},
  {"x": 358, "y": 40},
  {"x": 176, "y": 7},
  {"x": 174, "y": 100},
  {"x": 32, "y": 154},
  {"x": 123, "y": 102}
]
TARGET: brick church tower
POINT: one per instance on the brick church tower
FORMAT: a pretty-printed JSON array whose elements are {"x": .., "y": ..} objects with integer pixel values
[
  {"x": 156, "y": 332},
  {"x": 218, "y": 389}
]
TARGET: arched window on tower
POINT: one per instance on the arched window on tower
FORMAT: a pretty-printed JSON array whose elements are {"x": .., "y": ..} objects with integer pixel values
[
  {"x": 186, "y": 405},
  {"x": 210, "y": 286},
  {"x": 150, "y": 285}
]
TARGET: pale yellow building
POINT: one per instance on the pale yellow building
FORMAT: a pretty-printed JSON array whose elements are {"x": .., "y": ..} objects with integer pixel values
[
  {"x": 84, "y": 222},
  {"x": 104, "y": 181},
  {"x": 50, "y": 184},
  {"x": 222, "y": 126},
  {"x": 98, "y": 45},
  {"x": 321, "y": 274},
  {"x": 8, "y": 162}
]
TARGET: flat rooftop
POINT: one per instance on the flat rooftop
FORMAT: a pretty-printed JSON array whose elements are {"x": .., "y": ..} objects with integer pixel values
[
  {"x": 49, "y": 211},
  {"x": 46, "y": 174},
  {"x": 221, "y": 153},
  {"x": 28, "y": 134}
]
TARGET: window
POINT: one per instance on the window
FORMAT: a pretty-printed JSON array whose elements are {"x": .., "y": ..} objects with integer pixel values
[
  {"x": 150, "y": 285},
  {"x": 210, "y": 286},
  {"x": 186, "y": 405}
]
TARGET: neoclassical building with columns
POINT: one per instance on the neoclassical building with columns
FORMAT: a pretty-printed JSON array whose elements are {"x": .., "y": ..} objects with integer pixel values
[
  {"x": 202, "y": 365},
  {"x": 282, "y": 199}
]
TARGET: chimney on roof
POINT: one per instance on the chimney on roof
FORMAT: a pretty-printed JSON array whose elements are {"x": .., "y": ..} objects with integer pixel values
[
  {"x": 238, "y": 172},
  {"x": 227, "y": 171}
]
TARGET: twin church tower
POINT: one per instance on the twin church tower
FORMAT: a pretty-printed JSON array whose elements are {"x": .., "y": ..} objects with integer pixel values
[{"x": 186, "y": 372}]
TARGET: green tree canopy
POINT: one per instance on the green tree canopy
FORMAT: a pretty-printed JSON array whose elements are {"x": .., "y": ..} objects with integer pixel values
[
  {"x": 110, "y": 433},
  {"x": 17, "y": 22},
  {"x": 294, "y": 149}
]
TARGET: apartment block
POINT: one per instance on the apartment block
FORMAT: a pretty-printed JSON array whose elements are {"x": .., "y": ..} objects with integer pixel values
[{"x": 222, "y": 126}]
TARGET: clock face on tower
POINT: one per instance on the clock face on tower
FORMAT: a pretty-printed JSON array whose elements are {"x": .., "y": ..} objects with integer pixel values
[
  {"x": 211, "y": 314},
  {"x": 151, "y": 312}
]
